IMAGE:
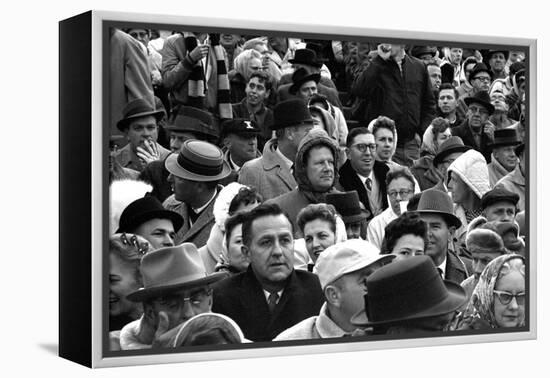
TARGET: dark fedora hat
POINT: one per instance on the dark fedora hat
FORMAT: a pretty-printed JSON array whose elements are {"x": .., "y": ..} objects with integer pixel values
[
  {"x": 347, "y": 205},
  {"x": 481, "y": 98},
  {"x": 499, "y": 194},
  {"x": 505, "y": 137},
  {"x": 198, "y": 161},
  {"x": 479, "y": 67},
  {"x": 171, "y": 269},
  {"x": 136, "y": 109},
  {"x": 450, "y": 146},
  {"x": 307, "y": 57},
  {"x": 291, "y": 112},
  {"x": 418, "y": 51},
  {"x": 406, "y": 290},
  {"x": 143, "y": 210},
  {"x": 240, "y": 126},
  {"x": 301, "y": 76},
  {"x": 435, "y": 201},
  {"x": 194, "y": 120}
]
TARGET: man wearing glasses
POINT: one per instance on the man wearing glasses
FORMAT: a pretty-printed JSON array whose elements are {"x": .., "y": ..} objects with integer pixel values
[
  {"x": 171, "y": 295},
  {"x": 476, "y": 130},
  {"x": 400, "y": 186},
  {"x": 480, "y": 80},
  {"x": 363, "y": 173}
]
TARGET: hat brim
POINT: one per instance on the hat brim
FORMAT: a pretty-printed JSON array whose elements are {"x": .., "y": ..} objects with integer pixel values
[
  {"x": 455, "y": 298},
  {"x": 308, "y": 121},
  {"x": 451, "y": 219},
  {"x": 155, "y": 292},
  {"x": 177, "y": 220},
  {"x": 355, "y": 218},
  {"x": 174, "y": 168},
  {"x": 123, "y": 123},
  {"x": 443, "y": 154},
  {"x": 295, "y": 86},
  {"x": 312, "y": 64},
  {"x": 488, "y": 105},
  {"x": 505, "y": 144}
]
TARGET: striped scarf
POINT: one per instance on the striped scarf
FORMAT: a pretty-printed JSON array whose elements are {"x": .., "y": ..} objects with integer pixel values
[
  {"x": 223, "y": 95},
  {"x": 197, "y": 88}
]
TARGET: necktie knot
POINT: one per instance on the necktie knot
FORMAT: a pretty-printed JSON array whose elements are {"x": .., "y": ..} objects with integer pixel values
[
  {"x": 368, "y": 183},
  {"x": 272, "y": 301}
]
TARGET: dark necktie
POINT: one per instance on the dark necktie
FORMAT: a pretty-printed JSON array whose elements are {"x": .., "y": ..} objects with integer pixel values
[
  {"x": 193, "y": 216},
  {"x": 272, "y": 301},
  {"x": 368, "y": 183},
  {"x": 440, "y": 271}
]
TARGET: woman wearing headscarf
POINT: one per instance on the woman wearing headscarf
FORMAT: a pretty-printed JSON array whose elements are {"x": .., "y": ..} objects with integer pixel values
[{"x": 498, "y": 300}]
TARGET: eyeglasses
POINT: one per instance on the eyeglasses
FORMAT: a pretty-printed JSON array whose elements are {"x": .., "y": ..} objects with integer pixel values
[
  {"x": 196, "y": 299},
  {"x": 485, "y": 79},
  {"x": 362, "y": 147},
  {"x": 402, "y": 193},
  {"x": 505, "y": 297},
  {"x": 476, "y": 109}
]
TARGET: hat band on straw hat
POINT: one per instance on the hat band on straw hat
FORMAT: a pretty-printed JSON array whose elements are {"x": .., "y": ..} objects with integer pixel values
[{"x": 203, "y": 169}]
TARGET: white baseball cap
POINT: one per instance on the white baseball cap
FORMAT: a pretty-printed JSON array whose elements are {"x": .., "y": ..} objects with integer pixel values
[{"x": 347, "y": 257}]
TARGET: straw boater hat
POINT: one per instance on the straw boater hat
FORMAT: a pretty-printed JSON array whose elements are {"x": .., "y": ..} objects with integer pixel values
[
  {"x": 172, "y": 269},
  {"x": 406, "y": 290},
  {"x": 198, "y": 161}
]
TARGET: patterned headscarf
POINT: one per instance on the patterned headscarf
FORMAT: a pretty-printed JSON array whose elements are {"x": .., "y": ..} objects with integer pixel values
[{"x": 483, "y": 299}]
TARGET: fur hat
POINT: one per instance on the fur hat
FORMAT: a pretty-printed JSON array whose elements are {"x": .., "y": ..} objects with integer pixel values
[{"x": 482, "y": 240}]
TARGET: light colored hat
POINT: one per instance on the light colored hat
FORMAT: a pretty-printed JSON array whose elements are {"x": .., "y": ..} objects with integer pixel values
[{"x": 347, "y": 257}]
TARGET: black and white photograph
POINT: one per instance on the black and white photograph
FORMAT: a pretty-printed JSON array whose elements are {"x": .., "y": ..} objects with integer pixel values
[
  {"x": 272, "y": 188},
  {"x": 283, "y": 190}
]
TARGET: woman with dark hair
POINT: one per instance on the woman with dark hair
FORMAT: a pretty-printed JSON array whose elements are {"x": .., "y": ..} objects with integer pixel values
[
  {"x": 318, "y": 224},
  {"x": 233, "y": 198},
  {"x": 405, "y": 236}
]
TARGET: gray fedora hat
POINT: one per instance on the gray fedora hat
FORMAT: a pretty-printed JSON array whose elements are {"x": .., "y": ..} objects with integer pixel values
[{"x": 435, "y": 201}]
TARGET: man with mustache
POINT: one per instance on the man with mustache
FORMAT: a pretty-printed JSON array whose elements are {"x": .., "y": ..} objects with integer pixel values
[
  {"x": 315, "y": 173},
  {"x": 363, "y": 173}
]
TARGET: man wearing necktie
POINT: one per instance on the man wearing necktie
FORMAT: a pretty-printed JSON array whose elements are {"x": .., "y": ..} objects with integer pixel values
[
  {"x": 363, "y": 173},
  {"x": 271, "y": 295},
  {"x": 436, "y": 209}
]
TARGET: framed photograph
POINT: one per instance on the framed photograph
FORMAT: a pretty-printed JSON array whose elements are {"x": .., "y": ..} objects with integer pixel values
[{"x": 162, "y": 109}]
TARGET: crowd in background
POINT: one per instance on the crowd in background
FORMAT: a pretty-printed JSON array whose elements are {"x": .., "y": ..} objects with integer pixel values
[{"x": 273, "y": 188}]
